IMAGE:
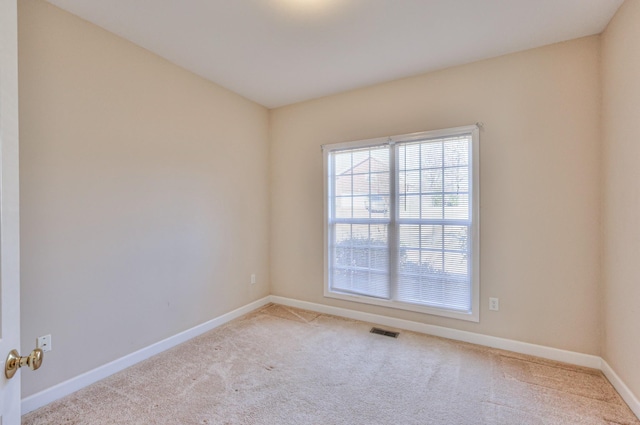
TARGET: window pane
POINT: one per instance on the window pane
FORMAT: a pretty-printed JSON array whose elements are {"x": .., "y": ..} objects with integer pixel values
[
  {"x": 456, "y": 207},
  {"x": 409, "y": 157},
  {"x": 456, "y": 263},
  {"x": 432, "y": 180},
  {"x": 432, "y": 155},
  {"x": 411, "y": 182},
  {"x": 380, "y": 183},
  {"x": 432, "y": 207},
  {"x": 360, "y": 259},
  {"x": 456, "y": 151},
  {"x": 409, "y": 236},
  {"x": 361, "y": 206},
  {"x": 409, "y": 206},
  {"x": 433, "y": 263},
  {"x": 344, "y": 185},
  {"x": 378, "y": 206},
  {"x": 456, "y": 238},
  {"x": 342, "y": 233},
  {"x": 434, "y": 271},
  {"x": 343, "y": 206},
  {"x": 360, "y": 159},
  {"x": 361, "y": 183},
  {"x": 431, "y": 237},
  {"x": 343, "y": 162},
  {"x": 456, "y": 179},
  {"x": 432, "y": 197}
]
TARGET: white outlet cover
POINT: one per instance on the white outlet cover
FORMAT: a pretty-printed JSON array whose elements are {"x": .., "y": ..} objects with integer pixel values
[
  {"x": 494, "y": 304},
  {"x": 44, "y": 342}
]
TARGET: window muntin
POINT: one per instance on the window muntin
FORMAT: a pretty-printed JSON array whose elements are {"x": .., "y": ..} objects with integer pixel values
[
  {"x": 360, "y": 221},
  {"x": 402, "y": 222}
]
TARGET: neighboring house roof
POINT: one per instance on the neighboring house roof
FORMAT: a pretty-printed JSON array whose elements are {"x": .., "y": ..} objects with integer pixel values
[{"x": 380, "y": 166}]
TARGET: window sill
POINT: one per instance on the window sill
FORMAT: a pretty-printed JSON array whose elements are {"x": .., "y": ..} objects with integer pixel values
[{"x": 470, "y": 317}]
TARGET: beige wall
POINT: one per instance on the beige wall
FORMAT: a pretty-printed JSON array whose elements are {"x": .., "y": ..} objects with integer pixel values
[
  {"x": 620, "y": 112},
  {"x": 145, "y": 191},
  {"x": 144, "y": 195},
  {"x": 540, "y": 197}
]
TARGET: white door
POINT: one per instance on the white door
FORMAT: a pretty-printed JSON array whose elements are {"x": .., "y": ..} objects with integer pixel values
[{"x": 9, "y": 217}]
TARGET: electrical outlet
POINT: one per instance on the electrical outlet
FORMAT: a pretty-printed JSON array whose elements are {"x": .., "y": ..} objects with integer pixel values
[
  {"x": 494, "y": 304},
  {"x": 44, "y": 342},
  {"x": 253, "y": 279}
]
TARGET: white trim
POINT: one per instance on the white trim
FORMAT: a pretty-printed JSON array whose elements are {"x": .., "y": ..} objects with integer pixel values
[
  {"x": 571, "y": 357},
  {"x": 421, "y": 135},
  {"x": 624, "y": 391},
  {"x": 399, "y": 305},
  {"x": 393, "y": 222},
  {"x": 74, "y": 384},
  {"x": 56, "y": 392},
  {"x": 9, "y": 208},
  {"x": 475, "y": 228},
  {"x": 556, "y": 354},
  {"x": 378, "y": 141}
]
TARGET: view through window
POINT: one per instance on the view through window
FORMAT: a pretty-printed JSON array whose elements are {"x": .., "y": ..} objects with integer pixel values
[{"x": 402, "y": 221}]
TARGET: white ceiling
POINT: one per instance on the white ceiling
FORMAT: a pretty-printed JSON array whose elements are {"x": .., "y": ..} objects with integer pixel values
[{"x": 278, "y": 52}]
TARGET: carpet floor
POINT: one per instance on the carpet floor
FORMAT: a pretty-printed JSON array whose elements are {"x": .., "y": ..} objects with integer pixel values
[{"x": 281, "y": 366}]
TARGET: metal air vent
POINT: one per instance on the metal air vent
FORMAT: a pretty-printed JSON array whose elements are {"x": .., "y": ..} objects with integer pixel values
[{"x": 384, "y": 332}]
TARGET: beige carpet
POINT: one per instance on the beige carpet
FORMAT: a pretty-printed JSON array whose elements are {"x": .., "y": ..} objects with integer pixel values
[{"x": 285, "y": 366}]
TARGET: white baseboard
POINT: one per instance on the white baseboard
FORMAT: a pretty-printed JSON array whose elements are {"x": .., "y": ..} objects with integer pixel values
[
  {"x": 72, "y": 385},
  {"x": 624, "y": 391},
  {"x": 556, "y": 354},
  {"x": 49, "y": 395}
]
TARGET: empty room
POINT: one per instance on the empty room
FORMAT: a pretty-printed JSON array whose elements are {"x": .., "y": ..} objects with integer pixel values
[{"x": 319, "y": 212}]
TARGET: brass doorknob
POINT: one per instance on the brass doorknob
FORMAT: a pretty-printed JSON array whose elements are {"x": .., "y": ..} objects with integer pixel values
[{"x": 14, "y": 362}]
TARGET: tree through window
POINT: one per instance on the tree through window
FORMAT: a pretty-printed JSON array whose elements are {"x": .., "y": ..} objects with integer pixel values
[{"x": 402, "y": 222}]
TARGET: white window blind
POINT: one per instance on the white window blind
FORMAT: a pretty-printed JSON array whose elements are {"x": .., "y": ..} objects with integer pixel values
[
  {"x": 360, "y": 221},
  {"x": 402, "y": 222},
  {"x": 433, "y": 223}
]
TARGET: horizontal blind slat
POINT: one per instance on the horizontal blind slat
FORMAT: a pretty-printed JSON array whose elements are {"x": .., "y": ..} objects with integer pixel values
[
  {"x": 359, "y": 222},
  {"x": 432, "y": 225},
  {"x": 434, "y": 222}
]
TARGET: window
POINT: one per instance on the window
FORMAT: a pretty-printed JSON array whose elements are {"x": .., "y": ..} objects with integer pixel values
[{"x": 402, "y": 222}]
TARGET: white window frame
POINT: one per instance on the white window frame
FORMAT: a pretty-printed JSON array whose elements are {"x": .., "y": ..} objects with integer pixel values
[{"x": 474, "y": 314}]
